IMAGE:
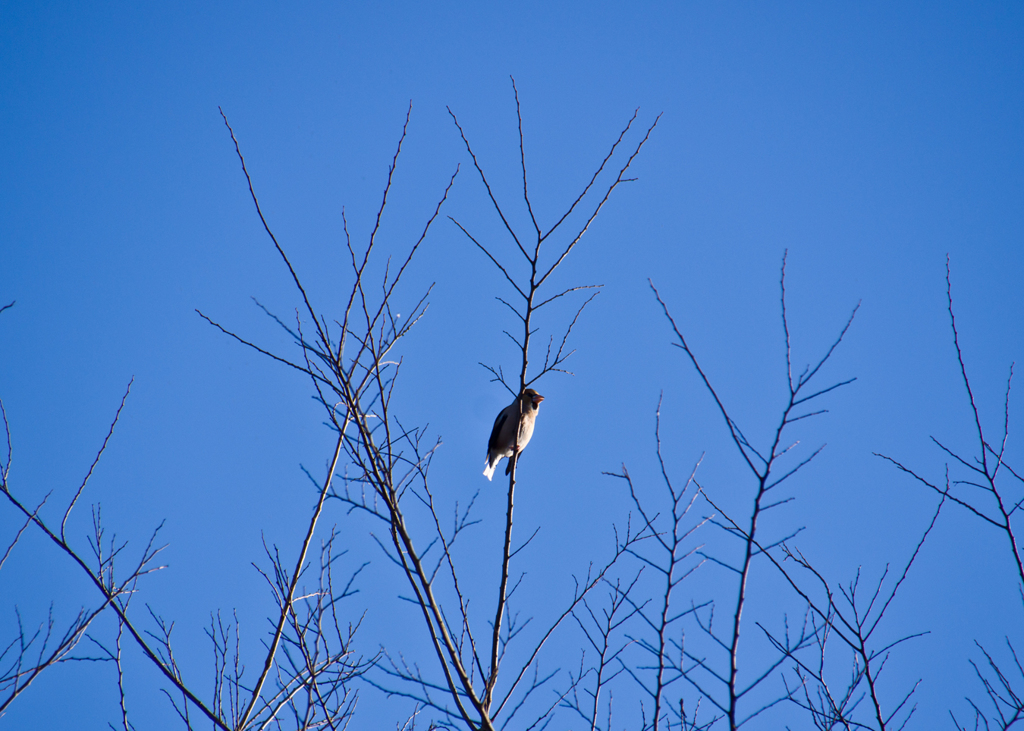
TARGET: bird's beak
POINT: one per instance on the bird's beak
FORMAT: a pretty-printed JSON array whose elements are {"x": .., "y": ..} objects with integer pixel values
[{"x": 537, "y": 399}]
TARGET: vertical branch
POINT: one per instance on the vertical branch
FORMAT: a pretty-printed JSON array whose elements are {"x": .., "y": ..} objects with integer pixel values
[
  {"x": 122, "y": 705},
  {"x": 522, "y": 159},
  {"x": 667, "y": 554},
  {"x": 988, "y": 473},
  {"x": 289, "y": 598},
  {"x": 963, "y": 371},
  {"x": 984, "y": 475},
  {"x": 506, "y": 557},
  {"x": 530, "y": 289},
  {"x": 764, "y": 467},
  {"x": 527, "y": 316}
]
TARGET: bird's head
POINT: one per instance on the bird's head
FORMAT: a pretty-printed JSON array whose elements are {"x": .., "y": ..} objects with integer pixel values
[{"x": 531, "y": 398}]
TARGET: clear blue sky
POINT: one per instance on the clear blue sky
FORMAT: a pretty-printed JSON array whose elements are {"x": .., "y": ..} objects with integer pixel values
[{"x": 868, "y": 140}]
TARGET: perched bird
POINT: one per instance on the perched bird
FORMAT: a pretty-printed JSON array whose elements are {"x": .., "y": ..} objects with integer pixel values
[{"x": 503, "y": 436}]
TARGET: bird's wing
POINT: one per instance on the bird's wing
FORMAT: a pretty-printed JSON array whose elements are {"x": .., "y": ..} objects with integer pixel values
[{"x": 492, "y": 443}]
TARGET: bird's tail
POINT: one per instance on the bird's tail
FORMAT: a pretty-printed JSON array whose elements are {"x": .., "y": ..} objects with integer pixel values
[{"x": 488, "y": 469}]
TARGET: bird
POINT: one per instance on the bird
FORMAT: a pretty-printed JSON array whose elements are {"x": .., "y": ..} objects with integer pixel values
[{"x": 503, "y": 436}]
